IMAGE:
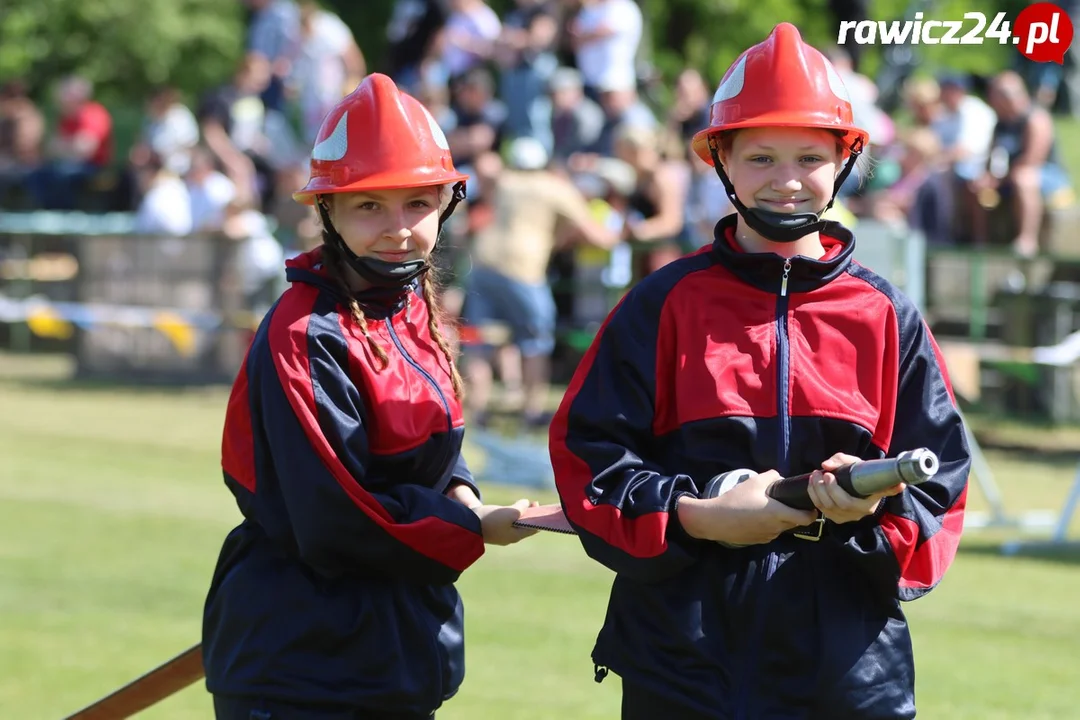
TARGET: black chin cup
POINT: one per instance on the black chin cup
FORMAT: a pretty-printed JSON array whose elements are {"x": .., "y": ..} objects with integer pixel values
[
  {"x": 782, "y": 227},
  {"x": 384, "y": 274}
]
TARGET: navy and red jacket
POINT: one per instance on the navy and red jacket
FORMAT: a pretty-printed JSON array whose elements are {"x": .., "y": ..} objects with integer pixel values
[
  {"x": 337, "y": 587},
  {"x": 725, "y": 360}
]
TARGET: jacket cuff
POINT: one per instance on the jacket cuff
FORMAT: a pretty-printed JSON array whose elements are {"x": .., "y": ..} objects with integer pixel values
[{"x": 674, "y": 525}]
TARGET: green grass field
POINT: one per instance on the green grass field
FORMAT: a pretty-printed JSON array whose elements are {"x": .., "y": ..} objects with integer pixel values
[{"x": 112, "y": 511}]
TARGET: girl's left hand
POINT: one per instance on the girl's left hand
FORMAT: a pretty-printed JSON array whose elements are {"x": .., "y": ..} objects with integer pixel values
[
  {"x": 834, "y": 502},
  {"x": 497, "y": 522}
]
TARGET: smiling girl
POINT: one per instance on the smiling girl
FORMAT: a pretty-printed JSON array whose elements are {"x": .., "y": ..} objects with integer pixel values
[
  {"x": 771, "y": 350},
  {"x": 334, "y": 597}
]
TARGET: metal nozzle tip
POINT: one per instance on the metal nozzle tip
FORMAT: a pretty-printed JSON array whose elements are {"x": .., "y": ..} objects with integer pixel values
[{"x": 926, "y": 462}]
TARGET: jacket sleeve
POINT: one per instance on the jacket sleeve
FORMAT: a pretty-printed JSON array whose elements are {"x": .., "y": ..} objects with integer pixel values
[
  {"x": 344, "y": 519},
  {"x": 911, "y": 542},
  {"x": 614, "y": 494}
]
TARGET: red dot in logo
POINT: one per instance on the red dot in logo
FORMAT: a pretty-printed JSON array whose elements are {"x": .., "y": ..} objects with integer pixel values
[{"x": 1043, "y": 32}]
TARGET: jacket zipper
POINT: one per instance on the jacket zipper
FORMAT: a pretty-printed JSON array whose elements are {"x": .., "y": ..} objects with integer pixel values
[
  {"x": 782, "y": 364},
  {"x": 450, "y": 428}
]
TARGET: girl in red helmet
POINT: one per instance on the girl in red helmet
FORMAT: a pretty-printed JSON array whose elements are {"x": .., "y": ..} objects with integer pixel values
[
  {"x": 770, "y": 350},
  {"x": 334, "y": 597}
]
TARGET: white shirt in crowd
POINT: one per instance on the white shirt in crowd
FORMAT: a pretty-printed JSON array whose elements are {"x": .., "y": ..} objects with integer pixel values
[
  {"x": 209, "y": 198},
  {"x": 972, "y": 128},
  {"x": 479, "y": 24},
  {"x": 260, "y": 257},
  {"x": 173, "y": 136},
  {"x": 165, "y": 208},
  {"x": 319, "y": 71},
  {"x": 609, "y": 62}
]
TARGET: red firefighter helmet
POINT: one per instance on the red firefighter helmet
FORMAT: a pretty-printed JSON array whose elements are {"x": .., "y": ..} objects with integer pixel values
[
  {"x": 781, "y": 82},
  {"x": 378, "y": 138}
]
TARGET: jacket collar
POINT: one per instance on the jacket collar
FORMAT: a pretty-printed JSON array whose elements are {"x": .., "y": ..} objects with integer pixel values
[{"x": 766, "y": 270}]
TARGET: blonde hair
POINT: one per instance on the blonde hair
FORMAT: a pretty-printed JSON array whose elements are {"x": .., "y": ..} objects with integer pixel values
[
  {"x": 921, "y": 91},
  {"x": 334, "y": 261},
  {"x": 924, "y": 142}
]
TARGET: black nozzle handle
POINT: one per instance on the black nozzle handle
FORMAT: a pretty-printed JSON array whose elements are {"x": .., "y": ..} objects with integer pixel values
[{"x": 861, "y": 479}]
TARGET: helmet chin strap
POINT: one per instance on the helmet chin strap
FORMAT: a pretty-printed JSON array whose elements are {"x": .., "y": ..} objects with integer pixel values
[
  {"x": 776, "y": 226},
  {"x": 380, "y": 273}
]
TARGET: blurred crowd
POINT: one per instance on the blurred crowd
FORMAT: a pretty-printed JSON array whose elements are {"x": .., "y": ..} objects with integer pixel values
[{"x": 581, "y": 178}]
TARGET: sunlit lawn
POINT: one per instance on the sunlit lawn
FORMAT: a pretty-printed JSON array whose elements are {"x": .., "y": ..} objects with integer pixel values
[{"x": 112, "y": 511}]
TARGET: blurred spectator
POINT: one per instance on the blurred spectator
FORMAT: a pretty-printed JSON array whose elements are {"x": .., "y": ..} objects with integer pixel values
[
  {"x": 249, "y": 140},
  {"x": 260, "y": 258},
  {"x": 469, "y": 37},
  {"x": 525, "y": 54},
  {"x": 80, "y": 149},
  {"x": 508, "y": 283},
  {"x": 165, "y": 208},
  {"x": 414, "y": 42},
  {"x": 922, "y": 97},
  {"x": 289, "y": 215},
  {"x": 576, "y": 121},
  {"x": 706, "y": 202},
  {"x": 965, "y": 127},
  {"x": 478, "y": 119},
  {"x": 210, "y": 191},
  {"x": 657, "y": 206},
  {"x": 594, "y": 277},
  {"x": 1025, "y": 168},
  {"x": 622, "y": 108},
  {"x": 274, "y": 33},
  {"x": 22, "y": 129},
  {"x": 436, "y": 98},
  {"x": 690, "y": 108},
  {"x": 329, "y": 65},
  {"x": 170, "y": 131},
  {"x": 605, "y": 36},
  {"x": 922, "y": 196}
]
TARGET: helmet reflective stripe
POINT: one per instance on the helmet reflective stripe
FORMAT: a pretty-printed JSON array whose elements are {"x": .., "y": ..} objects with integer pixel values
[
  {"x": 436, "y": 132},
  {"x": 836, "y": 83},
  {"x": 732, "y": 85},
  {"x": 336, "y": 146}
]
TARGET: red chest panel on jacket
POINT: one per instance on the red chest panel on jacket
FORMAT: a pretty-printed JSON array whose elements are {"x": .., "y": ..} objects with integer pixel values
[
  {"x": 720, "y": 353},
  {"x": 408, "y": 400}
]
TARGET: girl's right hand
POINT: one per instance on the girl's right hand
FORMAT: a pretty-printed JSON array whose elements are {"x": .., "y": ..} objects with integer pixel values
[
  {"x": 497, "y": 522},
  {"x": 745, "y": 515}
]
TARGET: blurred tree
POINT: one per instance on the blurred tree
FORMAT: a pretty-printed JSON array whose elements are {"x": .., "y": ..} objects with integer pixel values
[{"x": 123, "y": 46}]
